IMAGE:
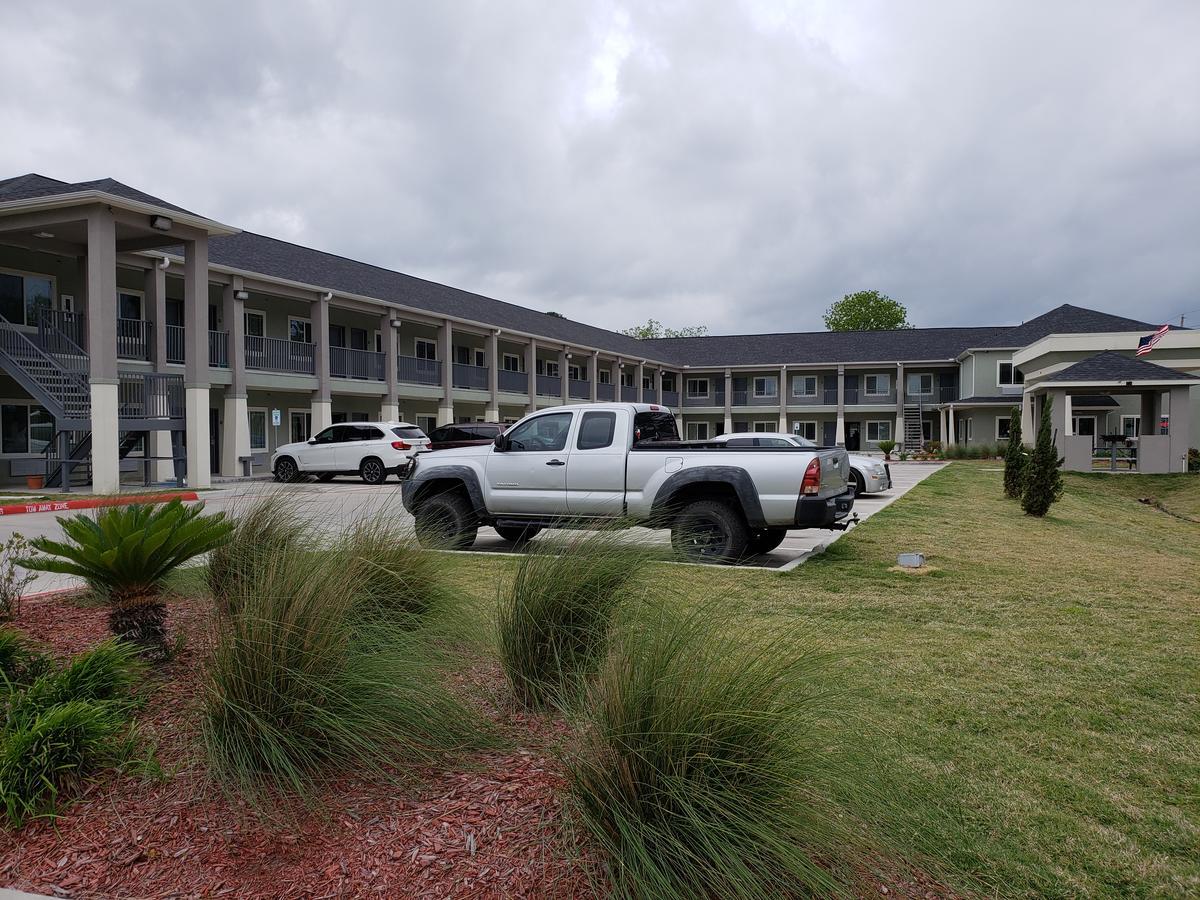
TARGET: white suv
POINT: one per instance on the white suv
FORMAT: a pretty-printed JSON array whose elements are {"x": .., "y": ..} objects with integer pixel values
[{"x": 370, "y": 450}]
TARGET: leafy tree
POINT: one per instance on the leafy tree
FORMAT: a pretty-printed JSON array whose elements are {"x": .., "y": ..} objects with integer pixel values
[
  {"x": 1015, "y": 459},
  {"x": 866, "y": 311},
  {"x": 655, "y": 329},
  {"x": 1043, "y": 480}
]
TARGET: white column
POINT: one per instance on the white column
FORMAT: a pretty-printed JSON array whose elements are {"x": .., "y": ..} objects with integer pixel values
[
  {"x": 236, "y": 443},
  {"x": 531, "y": 375},
  {"x": 492, "y": 413},
  {"x": 639, "y": 383},
  {"x": 1068, "y": 423},
  {"x": 564, "y": 386},
  {"x": 390, "y": 407},
  {"x": 728, "y": 401},
  {"x": 950, "y": 437},
  {"x": 898, "y": 437},
  {"x": 942, "y": 425},
  {"x": 1028, "y": 434},
  {"x": 102, "y": 350},
  {"x": 445, "y": 413},
  {"x": 594, "y": 373},
  {"x": 196, "y": 381},
  {"x": 839, "y": 432},
  {"x": 155, "y": 284},
  {"x": 322, "y": 400},
  {"x": 783, "y": 415}
]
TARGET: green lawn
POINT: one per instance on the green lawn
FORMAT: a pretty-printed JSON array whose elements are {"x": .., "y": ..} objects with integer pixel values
[{"x": 1031, "y": 710}]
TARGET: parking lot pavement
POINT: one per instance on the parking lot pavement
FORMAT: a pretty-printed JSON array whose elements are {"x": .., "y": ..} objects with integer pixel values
[{"x": 333, "y": 505}]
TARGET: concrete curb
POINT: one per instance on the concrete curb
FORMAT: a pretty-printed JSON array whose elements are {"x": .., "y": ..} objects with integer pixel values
[{"x": 44, "y": 506}]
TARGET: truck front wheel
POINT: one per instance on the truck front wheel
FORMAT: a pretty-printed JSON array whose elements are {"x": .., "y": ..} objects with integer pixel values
[
  {"x": 446, "y": 522},
  {"x": 710, "y": 531}
]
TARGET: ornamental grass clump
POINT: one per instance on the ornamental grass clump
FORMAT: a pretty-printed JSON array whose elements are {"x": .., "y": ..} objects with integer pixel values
[
  {"x": 396, "y": 578},
  {"x": 707, "y": 762},
  {"x": 556, "y": 615},
  {"x": 63, "y": 725},
  {"x": 125, "y": 554},
  {"x": 262, "y": 527},
  {"x": 310, "y": 678}
]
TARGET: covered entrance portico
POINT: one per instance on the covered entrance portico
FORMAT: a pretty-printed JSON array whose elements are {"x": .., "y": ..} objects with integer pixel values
[{"x": 1165, "y": 404}]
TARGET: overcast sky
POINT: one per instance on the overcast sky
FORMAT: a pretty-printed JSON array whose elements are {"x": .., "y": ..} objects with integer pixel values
[{"x": 739, "y": 165}]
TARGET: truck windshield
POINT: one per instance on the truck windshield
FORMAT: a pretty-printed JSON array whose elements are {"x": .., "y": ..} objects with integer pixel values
[{"x": 654, "y": 426}]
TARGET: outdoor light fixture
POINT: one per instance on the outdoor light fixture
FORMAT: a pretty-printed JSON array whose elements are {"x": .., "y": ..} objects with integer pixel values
[
  {"x": 161, "y": 223},
  {"x": 241, "y": 295},
  {"x": 396, "y": 323},
  {"x": 44, "y": 235}
]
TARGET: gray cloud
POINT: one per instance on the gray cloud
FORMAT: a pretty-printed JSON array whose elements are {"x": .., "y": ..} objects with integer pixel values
[{"x": 737, "y": 164}]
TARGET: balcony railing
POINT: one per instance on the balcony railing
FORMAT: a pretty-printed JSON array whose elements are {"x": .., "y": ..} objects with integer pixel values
[
  {"x": 149, "y": 395},
  {"x": 175, "y": 343},
  {"x": 62, "y": 331},
  {"x": 549, "y": 386},
  {"x": 280, "y": 355},
  {"x": 860, "y": 396},
  {"x": 670, "y": 398},
  {"x": 628, "y": 393},
  {"x": 364, "y": 365},
  {"x": 649, "y": 395},
  {"x": 513, "y": 382},
  {"x": 218, "y": 349},
  {"x": 605, "y": 392},
  {"x": 814, "y": 399},
  {"x": 413, "y": 370},
  {"x": 829, "y": 397},
  {"x": 579, "y": 390},
  {"x": 712, "y": 398},
  {"x": 472, "y": 378},
  {"x": 135, "y": 338}
]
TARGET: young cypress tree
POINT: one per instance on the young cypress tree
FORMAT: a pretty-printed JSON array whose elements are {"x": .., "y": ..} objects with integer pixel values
[
  {"x": 1014, "y": 457},
  {"x": 1043, "y": 481}
]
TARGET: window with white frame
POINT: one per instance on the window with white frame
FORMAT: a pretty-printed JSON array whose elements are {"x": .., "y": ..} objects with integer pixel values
[
  {"x": 512, "y": 362},
  {"x": 423, "y": 348},
  {"x": 258, "y": 429},
  {"x": 804, "y": 385},
  {"x": 968, "y": 430},
  {"x": 647, "y": 383},
  {"x": 668, "y": 381},
  {"x": 763, "y": 427},
  {"x": 877, "y": 386},
  {"x": 25, "y": 428},
  {"x": 129, "y": 305},
  {"x": 697, "y": 431},
  {"x": 574, "y": 373},
  {"x": 378, "y": 341},
  {"x": 604, "y": 376},
  {"x": 549, "y": 367},
  {"x": 805, "y": 430},
  {"x": 626, "y": 378},
  {"x": 919, "y": 384},
  {"x": 879, "y": 431},
  {"x": 426, "y": 423},
  {"x": 469, "y": 356},
  {"x": 1008, "y": 375},
  {"x": 22, "y": 294},
  {"x": 1131, "y": 426},
  {"x": 255, "y": 322},
  {"x": 697, "y": 387},
  {"x": 1003, "y": 423},
  {"x": 766, "y": 386},
  {"x": 299, "y": 330}
]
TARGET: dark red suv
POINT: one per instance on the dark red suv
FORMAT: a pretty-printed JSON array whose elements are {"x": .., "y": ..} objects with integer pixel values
[{"x": 467, "y": 434}]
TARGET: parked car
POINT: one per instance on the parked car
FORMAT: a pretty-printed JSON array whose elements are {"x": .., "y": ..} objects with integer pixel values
[
  {"x": 624, "y": 463},
  {"x": 869, "y": 475},
  {"x": 468, "y": 434},
  {"x": 370, "y": 450}
]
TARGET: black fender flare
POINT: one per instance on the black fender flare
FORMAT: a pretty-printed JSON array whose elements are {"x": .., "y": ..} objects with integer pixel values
[
  {"x": 734, "y": 476},
  {"x": 418, "y": 486}
]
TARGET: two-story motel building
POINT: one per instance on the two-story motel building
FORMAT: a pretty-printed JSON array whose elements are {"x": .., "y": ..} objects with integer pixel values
[{"x": 135, "y": 334}]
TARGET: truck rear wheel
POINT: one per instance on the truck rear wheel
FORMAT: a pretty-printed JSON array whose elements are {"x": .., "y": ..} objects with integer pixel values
[
  {"x": 446, "y": 522},
  {"x": 518, "y": 535},
  {"x": 710, "y": 531},
  {"x": 765, "y": 540}
]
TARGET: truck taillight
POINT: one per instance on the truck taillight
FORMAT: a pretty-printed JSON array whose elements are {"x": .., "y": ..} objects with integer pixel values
[
  {"x": 812, "y": 478},
  {"x": 401, "y": 445}
]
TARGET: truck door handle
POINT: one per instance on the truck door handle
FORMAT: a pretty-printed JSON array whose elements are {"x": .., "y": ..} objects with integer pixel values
[{"x": 556, "y": 462}]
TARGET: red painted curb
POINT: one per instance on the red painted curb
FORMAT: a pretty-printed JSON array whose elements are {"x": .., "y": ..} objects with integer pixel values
[{"x": 13, "y": 509}]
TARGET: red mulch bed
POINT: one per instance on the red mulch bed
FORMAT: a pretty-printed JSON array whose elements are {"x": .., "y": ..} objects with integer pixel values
[{"x": 489, "y": 829}]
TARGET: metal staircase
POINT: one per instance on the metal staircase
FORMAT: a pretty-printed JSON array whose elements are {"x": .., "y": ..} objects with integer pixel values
[
  {"x": 79, "y": 449},
  {"x": 61, "y": 388},
  {"x": 914, "y": 437}
]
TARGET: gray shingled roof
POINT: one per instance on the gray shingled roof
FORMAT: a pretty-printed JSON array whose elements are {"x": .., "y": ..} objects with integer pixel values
[
  {"x": 1068, "y": 319},
  {"x": 1112, "y": 366},
  {"x": 828, "y": 346},
  {"x": 268, "y": 256},
  {"x": 31, "y": 185}
]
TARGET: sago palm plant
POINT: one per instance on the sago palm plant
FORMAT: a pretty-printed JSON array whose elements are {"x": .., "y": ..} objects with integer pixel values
[{"x": 125, "y": 554}]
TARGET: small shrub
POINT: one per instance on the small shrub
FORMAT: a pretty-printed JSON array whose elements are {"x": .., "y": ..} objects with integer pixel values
[
  {"x": 904, "y": 455},
  {"x": 308, "y": 679},
  {"x": 1043, "y": 478},
  {"x": 125, "y": 553},
  {"x": 556, "y": 615},
  {"x": 13, "y": 579},
  {"x": 933, "y": 448},
  {"x": 63, "y": 724},
  {"x": 707, "y": 762},
  {"x": 887, "y": 446},
  {"x": 20, "y": 663},
  {"x": 1015, "y": 459},
  {"x": 953, "y": 451},
  {"x": 394, "y": 576}
]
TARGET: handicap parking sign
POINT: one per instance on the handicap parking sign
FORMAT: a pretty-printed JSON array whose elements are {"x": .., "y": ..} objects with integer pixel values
[{"x": 275, "y": 417}]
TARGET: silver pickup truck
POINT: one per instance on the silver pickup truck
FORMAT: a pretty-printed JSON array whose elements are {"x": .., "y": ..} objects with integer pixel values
[{"x": 571, "y": 466}]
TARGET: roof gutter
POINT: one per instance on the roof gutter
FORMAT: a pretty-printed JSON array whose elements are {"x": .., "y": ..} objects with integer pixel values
[{"x": 79, "y": 198}]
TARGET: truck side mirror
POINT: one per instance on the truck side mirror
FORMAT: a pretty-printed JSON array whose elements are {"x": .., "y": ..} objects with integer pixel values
[{"x": 500, "y": 443}]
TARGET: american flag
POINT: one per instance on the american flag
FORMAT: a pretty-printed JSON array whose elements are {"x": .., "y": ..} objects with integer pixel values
[{"x": 1146, "y": 344}]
